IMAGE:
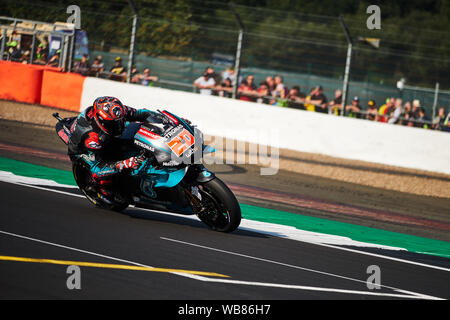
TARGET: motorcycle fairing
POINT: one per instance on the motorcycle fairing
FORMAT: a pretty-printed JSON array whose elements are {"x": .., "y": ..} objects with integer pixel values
[
  {"x": 166, "y": 177},
  {"x": 63, "y": 129}
]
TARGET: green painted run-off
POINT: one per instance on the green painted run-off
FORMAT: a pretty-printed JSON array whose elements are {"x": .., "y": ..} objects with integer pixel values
[{"x": 355, "y": 232}]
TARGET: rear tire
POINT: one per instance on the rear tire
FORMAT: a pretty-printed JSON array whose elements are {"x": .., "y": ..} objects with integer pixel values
[
  {"x": 83, "y": 179},
  {"x": 224, "y": 212}
]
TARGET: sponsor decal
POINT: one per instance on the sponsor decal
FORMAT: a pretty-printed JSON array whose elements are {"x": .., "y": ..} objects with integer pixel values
[
  {"x": 170, "y": 133},
  {"x": 171, "y": 163},
  {"x": 72, "y": 128},
  {"x": 206, "y": 174},
  {"x": 104, "y": 115},
  {"x": 144, "y": 145},
  {"x": 106, "y": 172},
  {"x": 63, "y": 136},
  {"x": 148, "y": 134}
]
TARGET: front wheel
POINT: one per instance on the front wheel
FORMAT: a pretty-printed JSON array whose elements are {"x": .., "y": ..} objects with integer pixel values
[{"x": 219, "y": 209}]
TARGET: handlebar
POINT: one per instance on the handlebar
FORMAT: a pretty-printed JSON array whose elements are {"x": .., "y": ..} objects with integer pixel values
[{"x": 56, "y": 115}]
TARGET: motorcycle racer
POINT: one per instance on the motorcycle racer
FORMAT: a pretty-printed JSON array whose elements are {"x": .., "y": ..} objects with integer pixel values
[
  {"x": 123, "y": 156},
  {"x": 93, "y": 132}
]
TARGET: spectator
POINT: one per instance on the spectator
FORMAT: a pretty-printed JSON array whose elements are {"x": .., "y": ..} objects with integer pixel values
[
  {"x": 422, "y": 120},
  {"x": 407, "y": 110},
  {"x": 407, "y": 113},
  {"x": 225, "y": 89},
  {"x": 415, "y": 109},
  {"x": 41, "y": 54},
  {"x": 54, "y": 60},
  {"x": 206, "y": 82},
  {"x": 280, "y": 90},
  {"x": 309, "y": 106},
  {"x": 13, "y": 48},
  {"x": 270, "y": 84},
  {"x": 135, "y": 75},
  {"x": 372, "y": 111},
  {"x": 146, "y": 79},
  {"x": 319, "y": 99},
  {"x": 25, "y": 57},
  {"x": 296, "y": 98},
  {"x": 97, "y": 67},
  {"x": 316, "y": 101},
  {"x": 263, "y": 93},
  {"x": 212, "y": 73},
  {"x": 384, "y": 109},
  {"x": 353, "y": 110},
  {"x": 446, "y": 127},
  {"x": 82, "y": 67},
  {"x": 118, "y": 72},
  {"x": 397, "y": 112},
  {"x": 228, "y": 73},
  {"x": 439, "y": 120},
  {"x": 247, "y": 89},
  {"x": 335, "y": 105}
]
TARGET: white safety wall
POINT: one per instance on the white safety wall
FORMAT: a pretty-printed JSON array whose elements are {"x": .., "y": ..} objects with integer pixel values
[{"x": 288, "y": 128}]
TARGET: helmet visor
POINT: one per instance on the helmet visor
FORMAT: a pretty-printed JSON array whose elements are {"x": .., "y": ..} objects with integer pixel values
[{"x": 113, "y": 127}]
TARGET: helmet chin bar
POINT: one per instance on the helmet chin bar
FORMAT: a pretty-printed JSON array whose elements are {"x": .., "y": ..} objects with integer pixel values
[{"x": 113, "y": 128}]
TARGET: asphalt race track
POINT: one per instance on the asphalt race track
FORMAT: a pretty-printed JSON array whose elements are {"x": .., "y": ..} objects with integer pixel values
[{"x": 140, "y": 254}]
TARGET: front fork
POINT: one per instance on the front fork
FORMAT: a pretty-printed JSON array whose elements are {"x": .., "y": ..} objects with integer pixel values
[{"x": 196, "y": 175}]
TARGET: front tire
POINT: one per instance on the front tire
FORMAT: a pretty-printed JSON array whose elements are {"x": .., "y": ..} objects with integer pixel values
[{"x": 220, "y": 208}]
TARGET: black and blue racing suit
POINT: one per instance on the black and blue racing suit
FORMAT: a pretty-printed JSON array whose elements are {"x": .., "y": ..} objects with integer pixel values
[{"x": 91, "y": 144}]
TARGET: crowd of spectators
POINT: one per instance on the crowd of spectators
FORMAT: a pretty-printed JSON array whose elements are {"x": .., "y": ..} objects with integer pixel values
[
  {"x": 117, "y": 72},
  {"x": 14, "y": 51},
  {"x": 273, "y": 91}
]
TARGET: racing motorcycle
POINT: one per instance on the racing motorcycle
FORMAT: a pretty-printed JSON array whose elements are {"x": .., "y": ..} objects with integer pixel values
[{"x": 171, "y": 177}]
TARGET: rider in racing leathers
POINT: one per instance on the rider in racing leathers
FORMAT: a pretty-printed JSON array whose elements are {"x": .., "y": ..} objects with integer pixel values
[{"x": 95, "y": 129}]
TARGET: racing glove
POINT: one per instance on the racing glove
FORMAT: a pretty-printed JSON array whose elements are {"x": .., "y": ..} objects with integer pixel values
[{"x": 130, "y": 163}]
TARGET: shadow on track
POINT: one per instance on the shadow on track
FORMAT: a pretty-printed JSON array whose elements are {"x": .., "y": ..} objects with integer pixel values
[{"x": 148, "y": 214}]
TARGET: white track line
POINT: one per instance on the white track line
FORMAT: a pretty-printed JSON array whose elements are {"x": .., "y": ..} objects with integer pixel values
[
  {"x": 296, "y": 267},
  {"x": 260, "y": 231},
  {"x": 309, "y": 288},
  {"x": 409, "y": 293},
  {"x": 236, "y": 282},
  {"x": 47, "y": 189},
  {"x": 386, "y": 257}
]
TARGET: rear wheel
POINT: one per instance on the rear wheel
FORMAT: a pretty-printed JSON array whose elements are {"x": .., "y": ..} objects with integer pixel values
[
  {"x": 220, "y": 209},
  {"x": 89, "y": 188}
]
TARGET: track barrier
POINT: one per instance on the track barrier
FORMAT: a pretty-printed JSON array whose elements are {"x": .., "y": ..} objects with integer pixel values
[
  {"x": 260, "y": 124},
  {"x": 42, "y": 85}
]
